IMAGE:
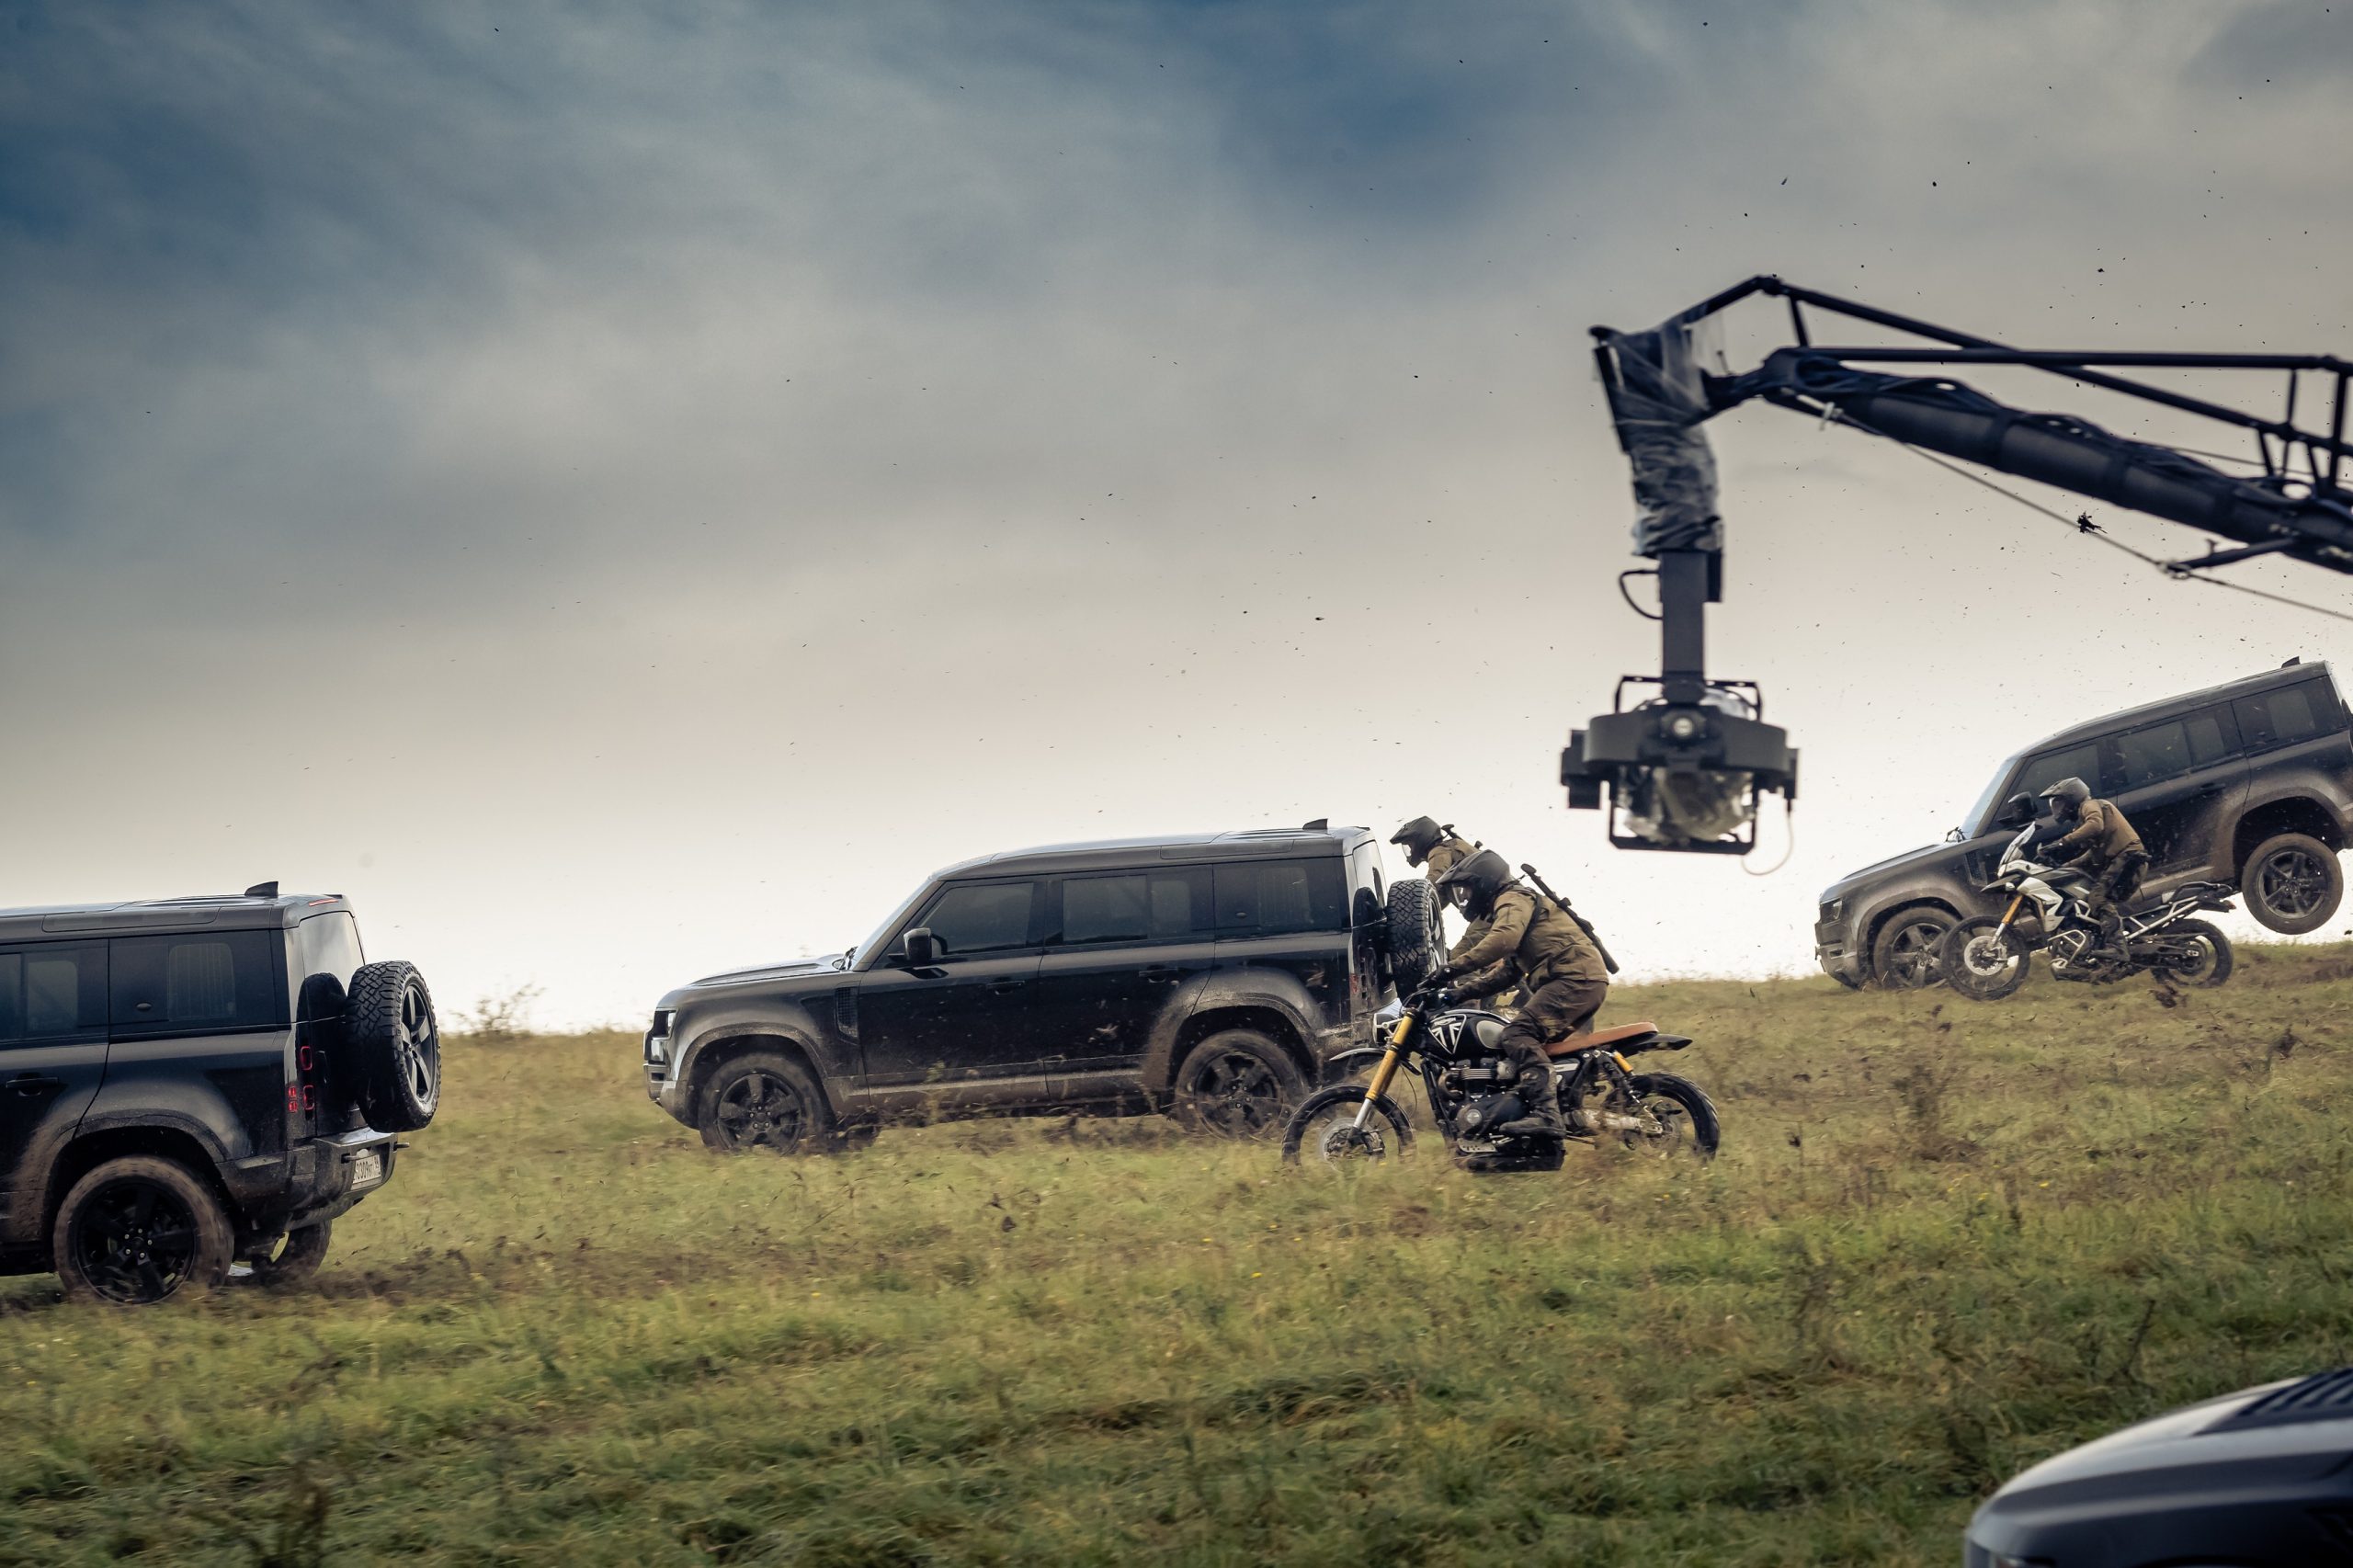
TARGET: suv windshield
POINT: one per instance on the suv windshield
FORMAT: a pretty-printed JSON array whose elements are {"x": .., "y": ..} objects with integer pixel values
[{"x": 1975, "y": 822}]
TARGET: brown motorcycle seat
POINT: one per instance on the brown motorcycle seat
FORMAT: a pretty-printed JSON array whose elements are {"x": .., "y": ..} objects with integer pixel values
[{"x": 1569, "y": 1043}]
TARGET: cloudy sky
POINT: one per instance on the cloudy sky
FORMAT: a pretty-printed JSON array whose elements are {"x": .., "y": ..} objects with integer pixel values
[{"x": 622, "y": 491}]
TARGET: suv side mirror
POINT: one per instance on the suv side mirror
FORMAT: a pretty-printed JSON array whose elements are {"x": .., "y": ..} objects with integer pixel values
[{"x": 923, "y": 948}]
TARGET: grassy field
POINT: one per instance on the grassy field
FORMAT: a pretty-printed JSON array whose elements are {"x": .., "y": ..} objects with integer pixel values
[{"x": 1944, "y": 1239}]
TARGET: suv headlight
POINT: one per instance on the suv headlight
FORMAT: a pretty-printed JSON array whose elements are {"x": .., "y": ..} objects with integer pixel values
[{"x": 657, "y": 1040}]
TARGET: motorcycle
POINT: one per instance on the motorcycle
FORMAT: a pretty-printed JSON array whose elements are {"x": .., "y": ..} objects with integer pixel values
[
  {"x": 1987, "y": 957},
  {"x": 1463, "y": 1072}
]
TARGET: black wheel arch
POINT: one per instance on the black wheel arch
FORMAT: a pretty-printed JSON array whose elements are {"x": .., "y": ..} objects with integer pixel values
[
  {"x": 1277, "y": 1023},
  {"x": 2307, "y": 814},
  {"x": 1902, "y": 905},
  {"x": 708, "y": 1056},
  {"x": 89, "y": 1149}
]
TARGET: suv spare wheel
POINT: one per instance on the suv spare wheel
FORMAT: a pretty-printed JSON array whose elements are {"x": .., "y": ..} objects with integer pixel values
[
  {"x": 392, "y": 1046},
  {"x": 2292, "y": 883},
  {"x": 1415, "y": 942}
]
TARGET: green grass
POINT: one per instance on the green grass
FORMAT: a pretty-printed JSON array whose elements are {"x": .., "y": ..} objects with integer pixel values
[{"x": 1944, "y": 1241}]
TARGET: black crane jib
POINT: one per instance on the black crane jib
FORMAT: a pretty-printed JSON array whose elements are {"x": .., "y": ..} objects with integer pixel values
[{"x": 1685, "y": 770}]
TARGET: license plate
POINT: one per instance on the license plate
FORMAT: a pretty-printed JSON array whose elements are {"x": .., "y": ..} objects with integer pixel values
[{"x": 367, "y": 1168}]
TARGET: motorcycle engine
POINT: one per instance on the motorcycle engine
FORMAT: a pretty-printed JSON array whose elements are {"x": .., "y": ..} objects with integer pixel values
[{"x": 1478, "y": 1080}]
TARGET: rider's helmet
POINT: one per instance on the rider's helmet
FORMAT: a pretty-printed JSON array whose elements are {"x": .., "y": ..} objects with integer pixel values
[
  {"x": 1473, "y": 884},
  {"x": 1419, "y": 836},
  {"x": 2068, "y": 795},
  {"x": 2020, "y": 810}
]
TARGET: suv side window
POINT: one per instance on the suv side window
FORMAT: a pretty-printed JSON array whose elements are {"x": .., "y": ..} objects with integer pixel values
[
  {"x": 2154, "y": 755},
  {"x": 2078, "y": 761},
  {"x": 2278, "y": 718},
  {"x": 51, "y": 992},
  {"x": 1136, "y": 906},
  {"x": 204, "y": 982},
  {"x": 980, "y": 917},
  {"x": 1274, "y": 898},
  {"x": 2213, "y": 737}
]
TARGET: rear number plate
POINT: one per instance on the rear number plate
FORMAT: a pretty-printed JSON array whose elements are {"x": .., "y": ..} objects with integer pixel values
[{"x": 367, "y": 1168}]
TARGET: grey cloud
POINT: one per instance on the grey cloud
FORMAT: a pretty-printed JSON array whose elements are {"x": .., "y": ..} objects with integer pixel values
[{"x": 2279, "y": 43}]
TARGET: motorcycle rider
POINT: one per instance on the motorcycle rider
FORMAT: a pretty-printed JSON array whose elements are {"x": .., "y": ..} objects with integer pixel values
[
  {"x": 1530, "y": 938},
  {"x": 2107, "y": 850},
  {"x": 1436, "y": 848},
  {"x": 1433, "y": 848}
]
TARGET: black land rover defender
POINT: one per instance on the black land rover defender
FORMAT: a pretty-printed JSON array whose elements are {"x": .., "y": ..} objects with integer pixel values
[
  {"x": 1212, "y": 976},
  {"x": 2249, "y": 783},
  {"x": 191, "y": 1090}
]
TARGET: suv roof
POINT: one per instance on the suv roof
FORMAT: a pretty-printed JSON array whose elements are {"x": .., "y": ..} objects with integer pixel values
[
  {"x": 1109, "y": 852},
  {"x": 2166, "y": 707},
  {"x": 224, "y": 910}
]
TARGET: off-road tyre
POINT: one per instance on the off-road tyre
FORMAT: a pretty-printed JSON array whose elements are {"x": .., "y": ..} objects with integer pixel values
[
  {"x": 1699, "y": 1132},
  {"x": 764, "y": 1101},
  {"x": 1984, "y": 983},
  {"x": 1391, "y": 1135},
  {"x": 1237, "y": 1083},
  {"x": 291, "y": 1260},
  {"x": 1908, "y": 953},
  {"x": 2220, "y": 960},
  {"x": 1415, "y": 940},
  {"x": 2292, "y": 883},
  {"x": 392, "y": 1046},
  {"x": 140, "y": 1229}
]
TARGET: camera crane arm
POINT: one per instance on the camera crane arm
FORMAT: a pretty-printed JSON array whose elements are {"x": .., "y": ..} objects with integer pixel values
[{"x": 1687, "y": 769}]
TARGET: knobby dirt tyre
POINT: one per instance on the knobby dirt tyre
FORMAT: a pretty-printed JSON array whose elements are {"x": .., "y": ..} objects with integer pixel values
[
  {"x": 392, "y": 1046},
  {"x": 1414, "y": 940},
  {"x": 1975, "y": 968},
  {"x": 2222, "y": 959},
  {"x": 1706, "y": 1132},
  {"x": 1344, "y": 1098}
]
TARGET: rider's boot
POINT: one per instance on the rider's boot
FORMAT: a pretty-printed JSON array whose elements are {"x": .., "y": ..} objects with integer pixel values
[
  {"x": 1543, "y": 1118},
  {"x": 2112, "y": 932}
]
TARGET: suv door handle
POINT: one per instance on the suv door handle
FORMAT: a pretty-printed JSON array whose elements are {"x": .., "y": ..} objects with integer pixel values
[
  {"x": 34, "y": 1083},
  {"x": 1007, "y": 982}
]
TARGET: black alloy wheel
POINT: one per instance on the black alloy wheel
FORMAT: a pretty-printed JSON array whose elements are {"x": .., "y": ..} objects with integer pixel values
[
  {"x": 1238, "y": 1084},
  {"x": 416, "y": 1047},
  {"x": 2292, "y": 883},
  {"x": 761, "y": 1110},
  {"x": 1907, "y": 956},
  {"x": 138, "y": 1230}
]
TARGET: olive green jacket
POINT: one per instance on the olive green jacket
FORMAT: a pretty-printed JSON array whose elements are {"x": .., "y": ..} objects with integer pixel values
[
  {"x": 2100, "y": 836},
  {"x": 1527, "y": 938},
  {"x": 1447, "y": 854}
]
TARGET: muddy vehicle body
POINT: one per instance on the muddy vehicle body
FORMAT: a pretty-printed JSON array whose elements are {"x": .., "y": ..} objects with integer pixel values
[
  {"x": 1212, "y": 975},
  {"x": 2248, "y": 783},
  {"x": 193, "y": 1089}
]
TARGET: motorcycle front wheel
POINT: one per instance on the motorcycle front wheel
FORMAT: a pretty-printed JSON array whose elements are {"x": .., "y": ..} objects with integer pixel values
[
  {"x": 1324, "y": 1129},
  {"x": 1983, "y": 962}
]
